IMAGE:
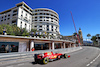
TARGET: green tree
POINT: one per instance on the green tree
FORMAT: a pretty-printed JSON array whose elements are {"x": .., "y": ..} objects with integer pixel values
[
  {"x": 33, "y": 30},
  {"x": 13, "y": 30},
  {"x": 97, "y": 35},
  {"x": 88, "y": 35},
  {"x": 24, "y": 32},
  {"x": 8, "y": 28},
  {"x": 16, "y": 30},
  {"x": 1, "y": 29},
  {"x": 94, "y": 40}
]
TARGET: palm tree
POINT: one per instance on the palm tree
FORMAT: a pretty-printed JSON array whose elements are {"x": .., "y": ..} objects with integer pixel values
[
  {"x": 88, "y": 35},
  {"x": 97, "y": 35}
]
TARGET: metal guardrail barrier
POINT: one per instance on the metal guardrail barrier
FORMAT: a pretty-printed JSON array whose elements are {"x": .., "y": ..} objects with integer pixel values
[{"x": 30, "y": 55}]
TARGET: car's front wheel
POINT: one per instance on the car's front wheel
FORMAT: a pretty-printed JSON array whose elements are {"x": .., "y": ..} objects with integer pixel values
[
  {"x": 65, "y": 56},
  {"x": 45, "y": 60}
]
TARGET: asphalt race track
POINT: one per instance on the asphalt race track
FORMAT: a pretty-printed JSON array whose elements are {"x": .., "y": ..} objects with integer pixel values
[{"x": 86, "y": 57}]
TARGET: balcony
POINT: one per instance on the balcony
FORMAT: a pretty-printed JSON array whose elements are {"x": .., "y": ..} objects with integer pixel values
[{"x": 46, "y": 12}]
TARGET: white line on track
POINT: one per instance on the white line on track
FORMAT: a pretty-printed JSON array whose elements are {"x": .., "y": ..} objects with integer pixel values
[{"x": 93, "y": 60}]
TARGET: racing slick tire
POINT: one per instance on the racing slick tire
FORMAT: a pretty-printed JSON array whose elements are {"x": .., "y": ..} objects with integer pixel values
[
  {"x": 45, "y": 60},
  {"x": 35, "y": 58},
  {"x": 65, "y": 56}
]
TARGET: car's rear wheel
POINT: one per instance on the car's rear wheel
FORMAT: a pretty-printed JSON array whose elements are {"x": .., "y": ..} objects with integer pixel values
[
  {"x": 36, "y": 61},
  {"x": 65, "y": 56},
  {"x": 35, "y": 57},
  {"x": 45, "y": 60}
]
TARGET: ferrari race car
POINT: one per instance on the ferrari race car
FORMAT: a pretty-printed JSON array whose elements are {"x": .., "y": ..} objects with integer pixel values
[{"x": 49, "y": 56}]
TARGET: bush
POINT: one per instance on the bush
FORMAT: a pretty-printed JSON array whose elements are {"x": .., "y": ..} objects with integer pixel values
[{"x": 13, "y": 30}]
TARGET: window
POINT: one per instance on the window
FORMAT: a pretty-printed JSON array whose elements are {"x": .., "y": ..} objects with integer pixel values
[
  {"x": 25, "y": 25},
  {"x": 51, "y": 15},
  {"x": 40, "y": 26},
  {"x": 47, "y": 29},
  {"x": 35, "y": 26},
  {"x": 21, "y": 22},
  {"x": 8, "y": 15},
  {"x": 40, "y": 29},
  {"x": 56, "y": 27},
  {"x": 52, "y": 29},
  {"x": 40, "y": 13},
  {"x": 47, "y": 25},
  {"x": 14, "y": 14},
  {"x": 52, "y": 18},
  {"x": 21, "y": 15},
  {"x": 47, "y": 14},
  {"x": 26, "y": 14},
  {"x": 8, "y": 18},
  {"x": 22, "y": 11},
  {"x": 40, "y": 16},
  {"x": 52, "y": 26},
  {"x": 14, "y": 21},
  {"x": 14, "y": 11},
  {"x": 47, "y": 17},
  {"x": 35, "y": 17}
]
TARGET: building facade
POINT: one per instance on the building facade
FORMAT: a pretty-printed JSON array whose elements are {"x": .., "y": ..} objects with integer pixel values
[
  {"x": 42, "y": 19},
  {"x": 21, "y": 15},
  {"x": 22, "y": 44},
  {"x": 46, "y": 20}
]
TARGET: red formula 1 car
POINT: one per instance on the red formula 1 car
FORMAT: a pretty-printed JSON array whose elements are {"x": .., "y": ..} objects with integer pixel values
[{"x": 49, "y": 56}]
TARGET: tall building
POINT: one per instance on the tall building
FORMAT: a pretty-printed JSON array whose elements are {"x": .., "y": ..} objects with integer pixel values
[
  {"x": 46, "y": 20},
  {"x": 42, "y": 19},
  {"x": 20, "y": 15},
  {"x": 80, "y": 36}
]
